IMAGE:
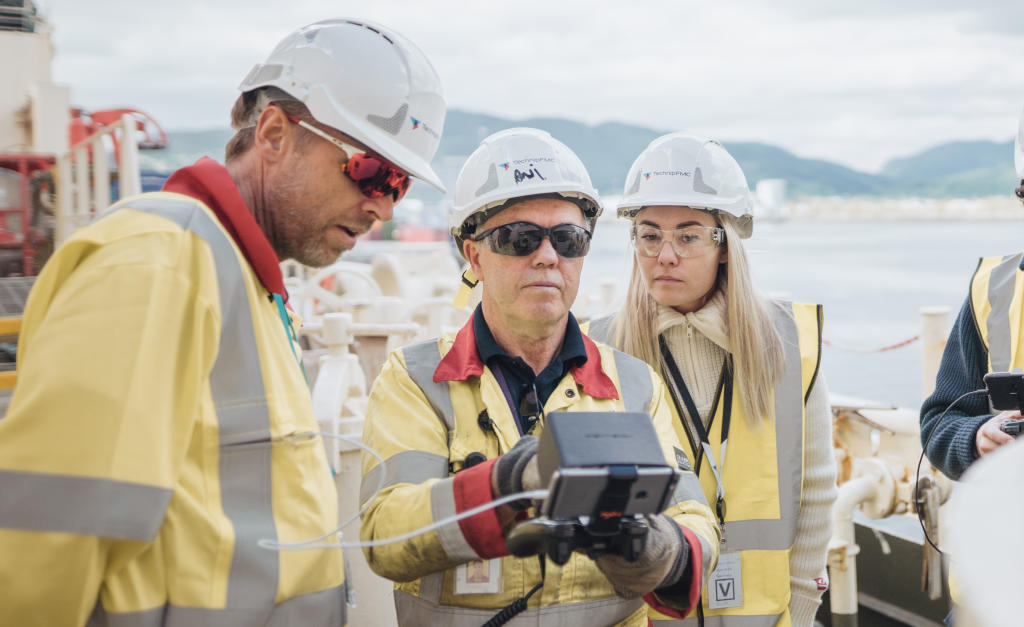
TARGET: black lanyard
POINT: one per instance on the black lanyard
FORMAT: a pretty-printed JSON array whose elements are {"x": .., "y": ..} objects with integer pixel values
[{"x": 698, "y": 425}]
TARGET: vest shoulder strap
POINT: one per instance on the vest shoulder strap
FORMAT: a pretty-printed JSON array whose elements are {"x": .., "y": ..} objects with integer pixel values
[
  {"x": 601, "y": 329},
  {"x": 993, "y": 288},
  {"x": 789, "y": 319},
  {"x": 635, "y": 383},
  {"x": 421, "y": 360}
]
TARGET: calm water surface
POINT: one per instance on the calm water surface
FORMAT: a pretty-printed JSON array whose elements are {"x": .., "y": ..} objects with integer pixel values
[{"x": 871, "y": 277}]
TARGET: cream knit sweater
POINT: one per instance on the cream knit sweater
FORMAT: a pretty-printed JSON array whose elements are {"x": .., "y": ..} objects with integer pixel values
[{"x": 699, "y": 342}]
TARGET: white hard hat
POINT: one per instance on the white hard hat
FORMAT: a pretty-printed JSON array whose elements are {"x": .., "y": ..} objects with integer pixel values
[
  {"x": 368, "y": 82},
  {"x": 1018, "y": 148},
  {"x": 691, "y": 171},
  {"x": 516, "y": 164}
]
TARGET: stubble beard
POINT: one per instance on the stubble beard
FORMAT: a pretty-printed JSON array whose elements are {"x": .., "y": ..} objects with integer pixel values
[{"x": 296, "y": 237}]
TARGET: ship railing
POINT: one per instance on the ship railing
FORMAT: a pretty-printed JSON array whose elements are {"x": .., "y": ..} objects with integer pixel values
[
  {"x": 877, "y": 448},
  {"x": 83, "y": 176}
]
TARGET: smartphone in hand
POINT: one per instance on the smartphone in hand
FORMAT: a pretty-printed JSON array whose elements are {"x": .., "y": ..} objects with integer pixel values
[{"x": 1005, "y": 390}]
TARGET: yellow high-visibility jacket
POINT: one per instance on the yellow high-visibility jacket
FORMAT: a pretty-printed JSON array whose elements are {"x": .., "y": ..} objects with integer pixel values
[
  {"x": 423, "y": 417},
  {"x": 762, "y": 478},
  {"x": 146, "y": 450}
]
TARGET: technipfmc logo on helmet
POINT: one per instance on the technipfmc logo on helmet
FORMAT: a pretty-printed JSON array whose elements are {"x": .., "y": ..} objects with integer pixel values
[
  {"x": 420, "y": 124},
  {"x": 648, "y": 175}
]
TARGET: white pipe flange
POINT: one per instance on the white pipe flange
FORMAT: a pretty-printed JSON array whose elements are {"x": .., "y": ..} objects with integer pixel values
[{"x": 882, "y": 502}]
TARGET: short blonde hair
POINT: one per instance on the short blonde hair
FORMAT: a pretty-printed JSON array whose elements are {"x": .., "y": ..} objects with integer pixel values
[{"x": 246, "y": 111}]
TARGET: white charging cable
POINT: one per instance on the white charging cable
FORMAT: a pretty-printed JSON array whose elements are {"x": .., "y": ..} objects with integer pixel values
[{"x": 316, "y": 544}]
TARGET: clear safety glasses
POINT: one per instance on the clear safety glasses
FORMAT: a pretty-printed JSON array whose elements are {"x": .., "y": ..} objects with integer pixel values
[
  {"x": 518, "y": 239},
  {"x": 374, "y": 175},
  {"x": 687, "y": 241}
]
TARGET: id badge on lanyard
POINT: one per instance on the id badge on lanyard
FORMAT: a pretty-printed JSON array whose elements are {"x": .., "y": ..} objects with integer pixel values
[{"x": 725, "y": 584}]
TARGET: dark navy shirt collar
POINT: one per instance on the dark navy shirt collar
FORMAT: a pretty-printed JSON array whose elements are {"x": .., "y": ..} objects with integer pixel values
[{"x": 573, "y": 352}]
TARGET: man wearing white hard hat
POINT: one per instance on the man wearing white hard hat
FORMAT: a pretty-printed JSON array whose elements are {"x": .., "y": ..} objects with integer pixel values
[
  {"x": 162, "y": 425},
  {"x": 455, "y": 419}
]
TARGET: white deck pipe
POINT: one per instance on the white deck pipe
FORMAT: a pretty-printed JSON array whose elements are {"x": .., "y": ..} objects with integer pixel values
[
  {"x": 842, "y": 559},
  {"x": 129, "y": 177},
  {"x": 934, "y": 330},
  {"x": 339, "y": 380}
]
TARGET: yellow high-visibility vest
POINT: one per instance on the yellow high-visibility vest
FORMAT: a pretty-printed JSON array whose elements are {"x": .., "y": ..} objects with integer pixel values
[
  {"x": 997, "y": 289},
  {"x": 762, "y": 477}
]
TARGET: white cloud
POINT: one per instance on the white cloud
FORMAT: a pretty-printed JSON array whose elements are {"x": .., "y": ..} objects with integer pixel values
[{"x": 856, "y": 83}]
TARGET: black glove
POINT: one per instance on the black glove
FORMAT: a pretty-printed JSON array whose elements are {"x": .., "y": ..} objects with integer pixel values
[{"x": 516, "y": 471}]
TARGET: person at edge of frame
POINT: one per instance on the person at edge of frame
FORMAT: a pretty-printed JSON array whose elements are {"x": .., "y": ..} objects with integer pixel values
[
  {"x": 456, "y": 417},
  {"x": 162, "y": 425},
  {"x": 743, "y": 374},
  {"x": 981, "y": 341}
]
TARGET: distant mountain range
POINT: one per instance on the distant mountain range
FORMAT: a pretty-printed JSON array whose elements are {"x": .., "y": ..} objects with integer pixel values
[{"x": 963, "y": 169}]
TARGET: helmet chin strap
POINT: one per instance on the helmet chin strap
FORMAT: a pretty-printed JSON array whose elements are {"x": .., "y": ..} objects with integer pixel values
[{"x": 469, "y": 281}]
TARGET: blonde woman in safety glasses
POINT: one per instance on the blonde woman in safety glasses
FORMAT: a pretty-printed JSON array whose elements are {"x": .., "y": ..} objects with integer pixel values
[{"x": 750, "y": 406}]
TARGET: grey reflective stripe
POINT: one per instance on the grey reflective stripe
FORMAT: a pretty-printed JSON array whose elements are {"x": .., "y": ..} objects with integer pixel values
[
  {"x": 405, "y": 467},
  {"x": 1001, "y": 284},
  {"x": 236, "y": 384},
  {"x": 431, "y": 586},
  {"x": 600, "y": 329},
  {"x": 778, "y": 534},
  {"x": 96, "y": 507},
  {"x": 689, "y": 489},
  {"x": 705, "y": 556},
  {"x": 634, "y": 382},
  {"x": 325, "y": 608},
  {"x": 414, "y": 611},
  {"x": 726, "y": 620},
  {"x": 145, "y": 618},
  {"x": 442, "y": 505},
  {"x": 421, "y": 360}
]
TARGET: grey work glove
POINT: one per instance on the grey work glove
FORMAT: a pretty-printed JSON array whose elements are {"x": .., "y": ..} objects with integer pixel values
[
  {"x": 662, "y": 563},
  {"x": 516, "y": 471}
]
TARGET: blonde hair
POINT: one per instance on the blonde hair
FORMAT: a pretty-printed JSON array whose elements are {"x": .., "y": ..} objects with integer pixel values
[{"x": 757, "y": 352}]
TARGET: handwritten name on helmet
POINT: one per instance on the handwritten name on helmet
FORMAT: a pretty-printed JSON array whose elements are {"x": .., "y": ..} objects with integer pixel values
[{"x": 527, "y": 168}]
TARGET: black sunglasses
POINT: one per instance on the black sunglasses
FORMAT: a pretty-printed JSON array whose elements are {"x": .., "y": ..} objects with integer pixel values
[
  {"x": 518, "y": 239},
  {"x": 529, "y": 406}
]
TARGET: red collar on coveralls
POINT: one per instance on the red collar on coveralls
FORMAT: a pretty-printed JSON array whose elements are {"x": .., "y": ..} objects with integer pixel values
[
  {"x": 462, "y": 362},
  {"x": 210, "y": 183}
]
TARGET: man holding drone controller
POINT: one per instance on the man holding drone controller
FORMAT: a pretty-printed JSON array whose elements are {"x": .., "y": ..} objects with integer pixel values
[{"x": 453, "y": 418}]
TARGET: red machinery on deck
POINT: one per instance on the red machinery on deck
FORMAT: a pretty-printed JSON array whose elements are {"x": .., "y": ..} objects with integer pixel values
[
  {"x": 85, "y": 123},
  {"x": 26, "y": 225},
  {"x": 18, "y": 230}
]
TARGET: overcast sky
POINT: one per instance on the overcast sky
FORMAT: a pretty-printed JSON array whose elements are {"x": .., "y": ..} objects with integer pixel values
[{"x": 852, "y": 81}]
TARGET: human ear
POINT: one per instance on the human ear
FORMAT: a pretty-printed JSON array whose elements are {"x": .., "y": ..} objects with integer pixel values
[
  {"x": 471, "y": 250},
  {"x": 274, "y": 133}
]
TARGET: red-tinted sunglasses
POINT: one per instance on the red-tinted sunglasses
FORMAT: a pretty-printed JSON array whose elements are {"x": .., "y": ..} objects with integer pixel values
[{"x": 375, "y": 176}]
